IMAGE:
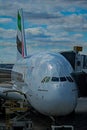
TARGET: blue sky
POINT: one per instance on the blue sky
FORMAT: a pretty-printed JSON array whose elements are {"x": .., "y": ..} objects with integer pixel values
[{"x": 51, "y": 25}]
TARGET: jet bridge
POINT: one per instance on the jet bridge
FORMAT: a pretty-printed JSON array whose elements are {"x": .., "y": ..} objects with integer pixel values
[{"x": 79, "y": 63}]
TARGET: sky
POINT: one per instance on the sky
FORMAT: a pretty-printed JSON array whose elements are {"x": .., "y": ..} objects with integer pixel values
[{"x": 50, "y": 25}]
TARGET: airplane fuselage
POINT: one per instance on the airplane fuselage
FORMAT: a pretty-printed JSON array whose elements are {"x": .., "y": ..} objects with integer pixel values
[{"x": 46, "y": 80}]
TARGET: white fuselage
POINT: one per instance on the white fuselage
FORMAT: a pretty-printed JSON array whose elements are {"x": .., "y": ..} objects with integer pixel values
[{"x": 46, "y": 80}]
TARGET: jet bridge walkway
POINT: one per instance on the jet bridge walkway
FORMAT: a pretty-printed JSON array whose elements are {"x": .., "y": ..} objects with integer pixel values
[{"x": 79, "y": 63}]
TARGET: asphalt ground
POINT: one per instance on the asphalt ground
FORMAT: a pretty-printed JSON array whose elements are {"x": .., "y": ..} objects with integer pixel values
[{"x": 78, "y": 119}]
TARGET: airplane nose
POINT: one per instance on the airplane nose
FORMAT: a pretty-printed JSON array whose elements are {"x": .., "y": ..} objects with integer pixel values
[{"x": 63, "y": 101}]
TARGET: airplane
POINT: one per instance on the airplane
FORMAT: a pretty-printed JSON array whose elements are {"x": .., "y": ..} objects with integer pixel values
[{"x": 43, "y": 78}]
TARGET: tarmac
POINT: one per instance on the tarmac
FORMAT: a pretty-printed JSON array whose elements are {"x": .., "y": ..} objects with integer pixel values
[{"x": 78, "y": 119}]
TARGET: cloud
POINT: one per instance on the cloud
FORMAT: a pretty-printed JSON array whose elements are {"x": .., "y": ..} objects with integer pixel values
[
  {"x": 5, "y": 20},
  {"x": 50, "y": 24},
  {"x": 6, "y": 55},
  {"x": 7, "y": 44},
  {"x": 39, "y": 7},
  {"x": 7, "y": 33},
  {"x": 34, "y": 31},
  {"x": 41, "y": 15}
]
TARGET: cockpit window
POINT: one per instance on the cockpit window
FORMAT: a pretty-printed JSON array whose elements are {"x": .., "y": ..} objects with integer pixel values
[
  {"x": 55, "y": 79},
  {"x": 69, "y": 79},
  {"x": 45, "y": 79},
  {"x": 62, "y": 79}
]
